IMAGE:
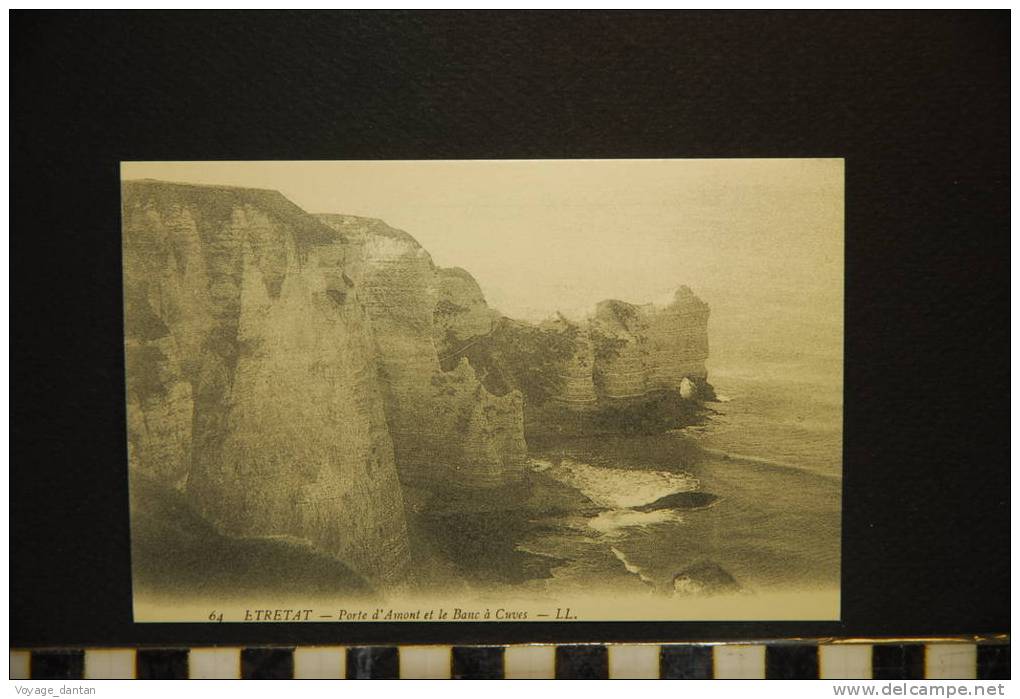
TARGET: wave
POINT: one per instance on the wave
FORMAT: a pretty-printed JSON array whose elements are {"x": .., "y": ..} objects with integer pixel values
[
  {"x": 618, "y": 488},
  {"x": 613, "y": 522},
  {"x": 631, "y": 568},
  {"x": 535, "y": 551},
  {"x": 749, "y": 459}
]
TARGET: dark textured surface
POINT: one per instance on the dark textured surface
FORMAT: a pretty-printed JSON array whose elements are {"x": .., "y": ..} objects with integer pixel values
[
  {"x": 267, "y": 663},
  {"x": 917, "y": 103},
  {"x": 582, "y": 663},
  {"x": 686, "y": 663},
  {"x": 57, "y": 665},
  {"x": 791, "y": 662},
  {"x": 169, "y": 664},
  {"x": 897, "y": 661},
  {"x": 477, "y": 663},
  {"x": 373, "y": 663},
  {"x": 993, "y": 662}
]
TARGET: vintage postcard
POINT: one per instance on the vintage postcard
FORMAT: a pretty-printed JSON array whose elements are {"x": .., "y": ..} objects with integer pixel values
[{"x": 484, "y": 390}]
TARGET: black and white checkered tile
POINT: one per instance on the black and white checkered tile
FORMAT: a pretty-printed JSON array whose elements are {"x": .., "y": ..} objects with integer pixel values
[{"x": 788, "y": 660}]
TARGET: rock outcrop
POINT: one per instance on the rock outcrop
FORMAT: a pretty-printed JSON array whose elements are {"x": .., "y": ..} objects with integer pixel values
[
  {"x": 252, "y": 382},
  {"x": 649, "y": 348},
  {"x": 447, "y": 428},
  {"x": 627, "y": 368},
  {"x": 576, "y": 387},
  {"x": 461, "y": 313},
  {"x": 704, "y": 579},
  {"x": 319, "y": 379}
]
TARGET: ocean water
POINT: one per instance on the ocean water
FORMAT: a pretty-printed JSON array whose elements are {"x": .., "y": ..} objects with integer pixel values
[{"x": 750, "y": 498}]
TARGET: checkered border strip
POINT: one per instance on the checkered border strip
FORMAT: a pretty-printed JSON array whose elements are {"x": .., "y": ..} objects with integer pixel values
[{"x": 986, "y": 660}]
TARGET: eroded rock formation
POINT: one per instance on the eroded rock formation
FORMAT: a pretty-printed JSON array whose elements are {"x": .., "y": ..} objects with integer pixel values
[
  {"x": 648, "y": 348},
  {"x": 576, "y": 387},
  {"x": 251, "y": 366},
  {"x": 447, "y": 428},
  {"x": 317, "y": 378},
  {"x": 461, "y": 313},
  {"x": 627, "y": 368}
]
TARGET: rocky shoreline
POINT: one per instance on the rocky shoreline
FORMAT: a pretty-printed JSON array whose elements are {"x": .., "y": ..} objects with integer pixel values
[{"x": 318, "y": 377}]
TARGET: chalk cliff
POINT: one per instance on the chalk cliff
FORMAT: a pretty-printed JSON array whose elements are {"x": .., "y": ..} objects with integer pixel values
[
  {"x": 461, "y": 313},
  {"x": 576, "y": 386},
  {"x": 320, "y": 379},
  {"x": 625, "y": 368},
  {"x": 447, "y": 428},
  {"x": 648, "y": 348},
  {"x": 252, "y": 381}
]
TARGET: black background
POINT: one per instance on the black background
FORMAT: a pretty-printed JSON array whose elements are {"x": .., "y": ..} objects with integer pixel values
[{"x": 917, "y": 103}]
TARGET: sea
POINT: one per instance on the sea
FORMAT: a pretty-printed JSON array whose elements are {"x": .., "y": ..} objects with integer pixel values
[{"x": 748, "y": 499}]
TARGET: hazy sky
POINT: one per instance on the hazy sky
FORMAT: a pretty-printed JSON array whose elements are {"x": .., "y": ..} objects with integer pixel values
[{"x": 760, "y": 240}]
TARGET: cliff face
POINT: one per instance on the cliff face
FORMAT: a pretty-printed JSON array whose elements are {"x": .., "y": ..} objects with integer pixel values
[
  {"x": 252, "y": 383},
  {"x": 678, "y": 340},
  {"x": 647, "y": 348},
  {"x": 444, "y": 424},
  {"x": 319, "y": 379},
  {"x": 625, "y": 369},
  {"x": 576, "y": 387},
  {"x": 461, "y": 313}
]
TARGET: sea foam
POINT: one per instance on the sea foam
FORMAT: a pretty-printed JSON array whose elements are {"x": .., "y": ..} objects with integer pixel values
[
  {"x": 630, "y": 567},
  {"x": 613, "y": 522},
  {"x": 619, "y": 488}
]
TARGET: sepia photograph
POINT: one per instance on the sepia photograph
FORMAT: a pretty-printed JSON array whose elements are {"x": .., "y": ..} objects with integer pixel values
[
  {"x": 442, "y": 344},
  {"x": 520, "y": 390}
]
